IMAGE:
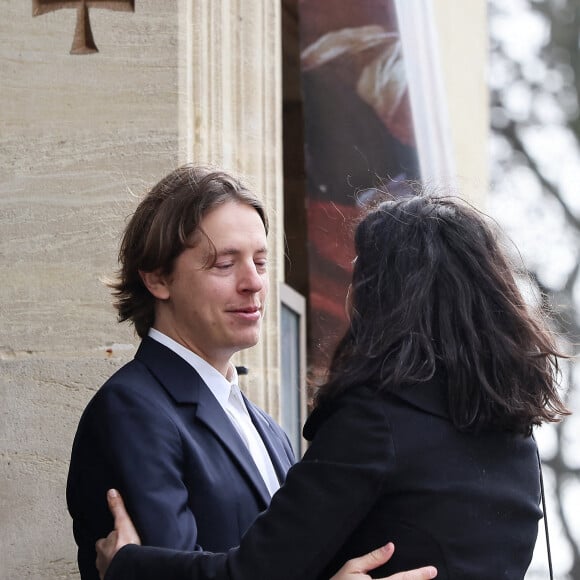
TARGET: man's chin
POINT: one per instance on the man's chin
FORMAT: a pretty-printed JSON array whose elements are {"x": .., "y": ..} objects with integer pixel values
[{"x": 248, "y": 341}]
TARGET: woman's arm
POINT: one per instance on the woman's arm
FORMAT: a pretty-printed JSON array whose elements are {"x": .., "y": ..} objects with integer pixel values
[
  {"x": 325, "y": 498},
  {"x": 355, "y": 569}
]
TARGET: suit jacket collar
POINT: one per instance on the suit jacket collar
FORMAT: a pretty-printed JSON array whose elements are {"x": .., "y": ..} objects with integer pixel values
[
  {"x": 186, "y": 387},
  {"x": 175, "y": 374}
]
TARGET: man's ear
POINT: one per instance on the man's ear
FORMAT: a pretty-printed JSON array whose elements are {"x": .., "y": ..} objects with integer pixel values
[{"x": 156, "y": 283}]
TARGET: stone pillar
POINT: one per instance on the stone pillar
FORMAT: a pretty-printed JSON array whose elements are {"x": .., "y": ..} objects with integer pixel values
[{"x": 231, "y": 98}]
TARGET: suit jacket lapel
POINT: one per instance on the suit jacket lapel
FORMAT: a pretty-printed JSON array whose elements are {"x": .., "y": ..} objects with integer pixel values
[
  {"x": 213, "y": 416},
  {"x": 270, "y": 439},
  {"x": 185, "y": 386}
]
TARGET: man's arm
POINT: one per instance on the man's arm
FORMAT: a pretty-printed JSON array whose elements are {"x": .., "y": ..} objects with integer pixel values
[
  {"x": 125, "y": 441},
  {"x": 124, "y": 533}
]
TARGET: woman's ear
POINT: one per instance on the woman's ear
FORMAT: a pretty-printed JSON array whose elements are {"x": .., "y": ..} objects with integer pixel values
[{"x": 156, "y": 283}]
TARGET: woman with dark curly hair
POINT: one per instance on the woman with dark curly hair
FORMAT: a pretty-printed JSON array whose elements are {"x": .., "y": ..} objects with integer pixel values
[{"x": 422, "y": 434}]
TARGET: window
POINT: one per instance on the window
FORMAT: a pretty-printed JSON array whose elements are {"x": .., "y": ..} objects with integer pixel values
[{"x": 293, "y": 361}]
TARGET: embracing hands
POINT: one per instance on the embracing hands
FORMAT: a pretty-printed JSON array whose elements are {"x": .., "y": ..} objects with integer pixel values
[
  {"x": 356, "y": 569},
  {"x": 124, "y": 533}
]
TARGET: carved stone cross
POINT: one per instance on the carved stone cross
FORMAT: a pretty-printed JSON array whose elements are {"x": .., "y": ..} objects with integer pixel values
[{"x": 83, "y": 42}]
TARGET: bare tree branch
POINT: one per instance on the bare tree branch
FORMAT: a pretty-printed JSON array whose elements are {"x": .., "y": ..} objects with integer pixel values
[{"x": 511, "y": 134}]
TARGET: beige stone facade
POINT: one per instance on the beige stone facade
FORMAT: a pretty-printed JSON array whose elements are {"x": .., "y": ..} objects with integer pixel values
[{"x": 81, "y": 138}]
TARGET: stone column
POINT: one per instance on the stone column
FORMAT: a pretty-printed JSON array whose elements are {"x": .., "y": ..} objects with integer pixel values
[{"x": 231, "y": 116}]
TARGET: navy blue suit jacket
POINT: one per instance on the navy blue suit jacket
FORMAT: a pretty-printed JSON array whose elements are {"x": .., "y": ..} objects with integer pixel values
[{"x": 156, "y": 432}]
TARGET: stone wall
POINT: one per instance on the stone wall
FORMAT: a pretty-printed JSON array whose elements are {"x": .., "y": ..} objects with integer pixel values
[{"x": 81, "y": 138}]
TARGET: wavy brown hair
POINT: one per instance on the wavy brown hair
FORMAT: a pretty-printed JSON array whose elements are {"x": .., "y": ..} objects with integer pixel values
[
  {"x": 163, "y": 225},
  {"x": 432, "y": 293}
]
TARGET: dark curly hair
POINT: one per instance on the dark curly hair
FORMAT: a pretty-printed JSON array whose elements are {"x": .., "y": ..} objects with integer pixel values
[
  {"x": 432, "y": 293},
  {"x": 163, "y": 225}
]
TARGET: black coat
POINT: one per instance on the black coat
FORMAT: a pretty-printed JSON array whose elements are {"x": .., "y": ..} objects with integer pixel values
[{"x": 383, "y": 468}]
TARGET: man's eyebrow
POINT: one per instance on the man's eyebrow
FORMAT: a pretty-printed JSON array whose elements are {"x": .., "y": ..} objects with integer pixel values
[
  {"x": 236, "y": 251},
  {"x": 227, "y": 252}
]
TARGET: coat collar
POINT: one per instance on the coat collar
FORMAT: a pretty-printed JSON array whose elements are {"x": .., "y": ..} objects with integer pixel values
[
  {"x": 186, "y": 387},
  {"x": 430, "y": 397}
]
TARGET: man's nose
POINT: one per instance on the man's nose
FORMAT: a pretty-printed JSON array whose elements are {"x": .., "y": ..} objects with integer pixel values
[{"x": 251, "y": 280}]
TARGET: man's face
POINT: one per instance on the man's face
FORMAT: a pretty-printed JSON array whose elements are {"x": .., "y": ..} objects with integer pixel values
[{"x": 215, "y": 308}]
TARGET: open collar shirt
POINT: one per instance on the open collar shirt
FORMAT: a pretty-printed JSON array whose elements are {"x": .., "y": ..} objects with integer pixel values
[{"x": 228, "y": 394}]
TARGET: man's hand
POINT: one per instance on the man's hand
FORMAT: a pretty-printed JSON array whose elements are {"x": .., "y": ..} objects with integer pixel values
[
  {"x": 357, "y": 568},
  {"x": 123, "y": 534}
]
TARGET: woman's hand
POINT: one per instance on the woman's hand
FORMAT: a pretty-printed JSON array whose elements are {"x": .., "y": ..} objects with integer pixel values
[
  {"x": 123, "y": 534},
  {"x": 357, "y": 568}
]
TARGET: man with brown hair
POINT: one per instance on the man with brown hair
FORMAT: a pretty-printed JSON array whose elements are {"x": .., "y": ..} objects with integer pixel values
[{"x": 194, "y": 459}]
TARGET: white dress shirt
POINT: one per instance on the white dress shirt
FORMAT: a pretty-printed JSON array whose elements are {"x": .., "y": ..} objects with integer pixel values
[{"x": 229, "y": 397}]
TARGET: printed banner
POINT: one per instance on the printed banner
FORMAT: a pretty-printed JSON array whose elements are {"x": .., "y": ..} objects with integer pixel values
[{"x": 358, "y": 138}]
